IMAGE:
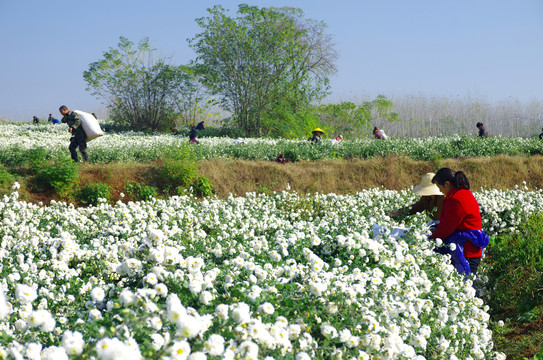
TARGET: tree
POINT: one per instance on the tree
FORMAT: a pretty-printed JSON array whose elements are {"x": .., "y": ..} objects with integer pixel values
[
  {"x": 264, "y": 57},
  {"x": 348, "y": 118},
  {"x": 142, "y": 90}
]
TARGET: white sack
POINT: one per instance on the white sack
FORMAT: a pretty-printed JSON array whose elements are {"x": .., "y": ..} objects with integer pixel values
[{"x": 90, "y": 125}]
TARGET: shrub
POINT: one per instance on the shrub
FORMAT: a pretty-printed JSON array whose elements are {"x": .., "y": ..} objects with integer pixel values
[
  {"x": 60, "y": 177},
  {"x": 90, "y": 194},
  {"x": 6, "y": 180},
  {"x": 202, "y": 186},
  {"x": 139, "y": 191},
  {"x": 291, "y": 156},
  {"x": 171, "y": 175},
  {"x": 515, "y": 268}
]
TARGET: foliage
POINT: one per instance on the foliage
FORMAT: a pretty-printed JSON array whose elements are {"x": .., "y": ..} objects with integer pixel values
[
  {"x": 61, "y": 177},
  {"x": 138, "y": 191},
  {"x": 142, "y": 89},
  {"x": 516, "y": 269},
  {"x": 92, "y": 193},
  {"x": 201, "y": 186},
  {"x": 282, "y": 122},
  {"x": 172, "y": 176},
  {"x": 6, "y": 180},
  {"x": 262, "y": 57},
  {"x": 350, "y": 119}
]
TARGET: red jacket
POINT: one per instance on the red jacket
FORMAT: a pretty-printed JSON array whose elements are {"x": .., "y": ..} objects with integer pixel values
[{"x": 460, "y": 212}]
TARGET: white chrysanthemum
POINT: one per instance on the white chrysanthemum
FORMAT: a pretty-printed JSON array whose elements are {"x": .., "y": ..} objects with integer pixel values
[
  {"x": 198, "y": 355},
  {"x": 42, "y": 319},
  {"x": 115, "y": 349},
  {"x": 98, "y": 294},
  {"x": 73, "y": 342},
  {"x": 206, "y": 297},
  {"x": 241, "y": 313},
  {"x": 221, "y": 311},
  {"x": 54, "y": 353},
  {"x": 4, "y": 308},
  {"x": 161, "y": 289},
  {"x": 180, "y": 350},
  {"x": 214, "y": 345},
  {"x": 189, "y": 326},
  {"x": 95, "y": 314},
  {"x": 33, "y": 351},
  {"x": 158, "y": 341},
  {"x": 266, "y": 308},
  {"x": 25, "y": 294}
]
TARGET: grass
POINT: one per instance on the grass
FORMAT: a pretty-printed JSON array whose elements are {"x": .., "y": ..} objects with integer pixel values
[
  {"x": 326, "y": 176},
  {"x": 515, "y": 269}
]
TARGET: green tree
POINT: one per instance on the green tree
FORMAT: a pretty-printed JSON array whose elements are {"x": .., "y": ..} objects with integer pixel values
[
  {"x": 261, "y": 60},
  {"x": 348, "y": 118},
  {"x": 143, "y": 90}
]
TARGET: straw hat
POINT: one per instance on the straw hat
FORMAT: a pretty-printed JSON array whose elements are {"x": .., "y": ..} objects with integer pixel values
[
  {"x": 319, "y": 130},
  {"x": 426, "y": 188}
]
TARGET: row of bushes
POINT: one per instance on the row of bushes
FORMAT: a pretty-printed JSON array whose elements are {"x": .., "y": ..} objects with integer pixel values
[{"x": 61, "y": 179}]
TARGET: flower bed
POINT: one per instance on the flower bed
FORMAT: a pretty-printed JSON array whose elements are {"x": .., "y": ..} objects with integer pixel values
[
  {"x": 279, "y": 276},
  {"x": 17, "y": 142}
]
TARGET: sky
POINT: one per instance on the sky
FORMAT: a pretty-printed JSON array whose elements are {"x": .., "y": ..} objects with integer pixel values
[{"x": 491, "y": 49}]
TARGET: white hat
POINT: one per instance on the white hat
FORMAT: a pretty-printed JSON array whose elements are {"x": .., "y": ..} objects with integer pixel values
[{"x": 426, "y": 188}]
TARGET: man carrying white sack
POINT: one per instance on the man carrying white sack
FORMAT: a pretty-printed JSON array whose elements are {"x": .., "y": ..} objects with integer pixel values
[{"x": 79, "y": 138}]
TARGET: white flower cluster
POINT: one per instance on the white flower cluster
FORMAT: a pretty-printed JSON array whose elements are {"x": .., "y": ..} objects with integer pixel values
[
  {"x": 244, "y": 278},
  {"x": 131, "y": 146}
]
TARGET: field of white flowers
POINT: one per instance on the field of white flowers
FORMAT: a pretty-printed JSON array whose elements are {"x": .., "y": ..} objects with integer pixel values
[
  {"x": 283, "y": 276},
  {"x": 17, "y": 140}
]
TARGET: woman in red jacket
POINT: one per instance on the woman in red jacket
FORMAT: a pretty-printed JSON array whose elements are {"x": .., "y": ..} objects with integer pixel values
[{"x": 460, "y": 222}]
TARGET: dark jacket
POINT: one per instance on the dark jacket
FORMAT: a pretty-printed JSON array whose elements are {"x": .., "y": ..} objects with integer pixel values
[
  {"x": 193, "y": 133},
  {"x": 431, "y": 204},
  {"x": 73, "y": 121}
]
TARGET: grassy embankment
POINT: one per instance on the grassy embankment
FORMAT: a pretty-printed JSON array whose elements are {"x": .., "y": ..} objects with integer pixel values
[{"x": 327, "y": 176}]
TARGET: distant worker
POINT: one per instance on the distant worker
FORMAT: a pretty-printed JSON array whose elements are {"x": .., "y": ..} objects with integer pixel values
[
  {"x": 55, "y": 121},
  {"x": 482, "y": 131},
  {"x": 193, "y": 134},
  {"x": 317, "y": 135},
  {"x": 379, "y": 134},
  {"x": 200, "y": 126},
  {"x": 50, "y": 118},
  {"x": 174, "y": 131},
  {"x": 79, "y": 137},
  {"x": 541, "y": 135},
  {"x": 281, "y": 159},
  {"x": 35, "y": 120}
]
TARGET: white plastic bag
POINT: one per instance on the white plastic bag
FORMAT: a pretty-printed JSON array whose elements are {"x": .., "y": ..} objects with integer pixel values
[
  {"x": 90, "y": 125},
  {"x": 395, "y": 231}
]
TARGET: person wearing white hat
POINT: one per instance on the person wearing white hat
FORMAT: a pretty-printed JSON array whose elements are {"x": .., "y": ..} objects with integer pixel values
[{"x": 431, "y": 200}]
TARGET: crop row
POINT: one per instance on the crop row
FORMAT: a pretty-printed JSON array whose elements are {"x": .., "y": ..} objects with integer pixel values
[{"x": 17, "y": 144}]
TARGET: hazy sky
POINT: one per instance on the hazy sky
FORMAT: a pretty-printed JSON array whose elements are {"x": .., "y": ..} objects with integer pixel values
[{"x": 491, "y": 49}]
